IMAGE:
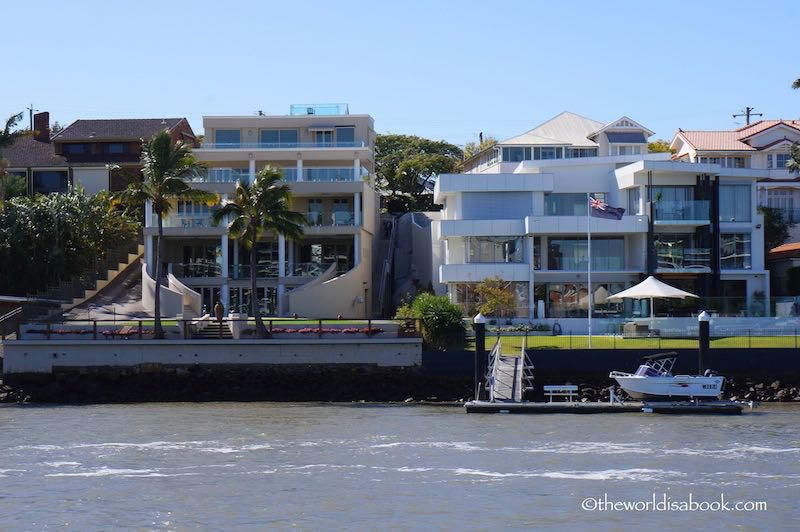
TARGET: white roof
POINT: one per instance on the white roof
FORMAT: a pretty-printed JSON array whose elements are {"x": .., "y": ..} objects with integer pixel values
[
  {"x": 651, "y": 287},
  {"x": 566, "y": 128}
]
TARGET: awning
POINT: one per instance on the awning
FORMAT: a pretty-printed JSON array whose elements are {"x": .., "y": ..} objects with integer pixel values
[{"x": 628, "y": 137}]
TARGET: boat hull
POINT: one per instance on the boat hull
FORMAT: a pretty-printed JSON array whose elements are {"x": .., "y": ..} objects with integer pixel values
[{"x": 665, "y": 388}]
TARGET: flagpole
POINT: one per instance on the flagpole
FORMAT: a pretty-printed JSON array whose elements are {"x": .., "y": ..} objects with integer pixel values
[{"x": 589, "y": 243}]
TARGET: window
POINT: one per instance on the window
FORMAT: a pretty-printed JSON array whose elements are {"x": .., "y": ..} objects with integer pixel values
[
  {"x": 735, "y": 251},
  {"x": 228, "y": 136},
  {"x": 581, "y": 152},
  {"x": 324, "y": 138},
  {"x": 572, "y": 253},
  {"x": 571, "y": 300},
  {"x": 464, "y": 295},
  {"x": 345, "y": 135},
  {"x": 681, "y": 251},
  {"x": 115, "y": 148},
  {"x": 48, "y": 181},
  {"x": 75, "y": 149},
  {"x": 628, "y": 150},
  {"x": 515, "y": 155},
  {"x": 634, "y": 196},
  {"x": 278, "y": 136},
  {"x": 734, "y": 203},
  {"x": 781, "y": 159},
  {"x": 574, "y": 204},
  {"x": 494, "y": 249}
]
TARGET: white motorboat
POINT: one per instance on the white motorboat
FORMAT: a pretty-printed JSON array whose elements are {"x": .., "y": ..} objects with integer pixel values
[{"x": 654, "y": 380}]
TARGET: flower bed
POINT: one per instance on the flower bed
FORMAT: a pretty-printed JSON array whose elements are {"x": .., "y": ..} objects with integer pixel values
[{"x": 323, "y": 330}]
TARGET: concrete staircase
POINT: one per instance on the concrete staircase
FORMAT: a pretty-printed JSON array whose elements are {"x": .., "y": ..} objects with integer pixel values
[
  {"x": 112, "y": 274},
  {"x": 212, "y": 331}
]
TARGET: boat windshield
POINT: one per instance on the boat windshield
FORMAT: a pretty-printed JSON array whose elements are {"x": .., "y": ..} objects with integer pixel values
[{"x": 661, "y": 366}]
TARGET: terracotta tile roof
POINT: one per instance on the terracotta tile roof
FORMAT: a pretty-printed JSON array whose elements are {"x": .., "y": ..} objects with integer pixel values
[
  {"x": 715, "y": 140},
  {"x": 792, "y": 249},
  {"x": 761, "y": 125},
  {"x": 27, "y": 152},
  {"x": 115, "y": 129}
]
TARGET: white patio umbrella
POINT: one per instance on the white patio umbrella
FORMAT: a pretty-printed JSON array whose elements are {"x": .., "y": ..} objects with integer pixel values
[{"x": 651, "y": 288}]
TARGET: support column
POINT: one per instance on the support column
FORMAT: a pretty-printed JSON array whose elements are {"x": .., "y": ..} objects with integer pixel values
[
  {"x": 357, "y": 209},
  {"x": 236, "y": 259},
  {"x": 251, "y": 169},
  {"x": 149, "y": 253},
  {"x": 300, "y": 169},
  {"x": 290, "y": 254},
  {"x": 529, "y": 260},
  {"x": 281, "y": 271},
  {"x": 356, "y": 250},
  {"x": 356, "y": 169},
  {"x": 224, "y": 291},
  {"x": 148, "y": 214}
]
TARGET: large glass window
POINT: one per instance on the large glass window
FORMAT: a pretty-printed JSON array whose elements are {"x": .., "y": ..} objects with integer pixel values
[
  {"x": 735, "y": 251},
  {"x": 75, "y": 149},
  {"x": 572, "y": 204},
  {"x": 634, "y": 195},
  {"x": 228, "y": 136},
  {"x": 494, "y": 249},
  {"x": 581, "y": 152},
  {"x": 781, "y": 159},
  {"x": 515, "y": 155},
  {"x": 571, "y": 300},
  {"x": 345, "y": 135},
  {"x": 278, "y": 136},
  {"x": 734, "y": 203},
  {"x": 115, "y": 148},
  {"x": 680, "y": 251},
  {"x": 572, "y": 253},
  {"x": 628, "y": 150}
]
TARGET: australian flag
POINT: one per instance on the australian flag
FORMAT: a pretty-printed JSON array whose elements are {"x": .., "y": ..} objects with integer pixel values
[{"x": 604, "y": 210}]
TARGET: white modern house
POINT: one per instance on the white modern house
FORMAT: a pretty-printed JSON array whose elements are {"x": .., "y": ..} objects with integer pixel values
[
  {"x": 327, "y": 156},
  {"x": 520, "y": 212}
]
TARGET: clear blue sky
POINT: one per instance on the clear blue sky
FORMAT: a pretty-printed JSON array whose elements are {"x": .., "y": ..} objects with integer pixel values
[{"x": 445, "y": 70}]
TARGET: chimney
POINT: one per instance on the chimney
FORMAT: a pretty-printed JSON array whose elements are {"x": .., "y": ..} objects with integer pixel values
[{"x": 41, "y": 127}]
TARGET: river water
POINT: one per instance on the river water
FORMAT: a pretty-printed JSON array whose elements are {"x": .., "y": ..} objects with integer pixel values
[{"x": 245, "y": 466}]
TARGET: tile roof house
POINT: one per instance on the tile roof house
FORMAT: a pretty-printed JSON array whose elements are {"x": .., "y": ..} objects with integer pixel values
[{"x": 96, "y": 154}]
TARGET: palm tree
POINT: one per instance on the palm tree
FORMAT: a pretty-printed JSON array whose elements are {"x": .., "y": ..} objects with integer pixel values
[
  {"x": 165, "y": 167},
  {"x": 257, "y": 209}
]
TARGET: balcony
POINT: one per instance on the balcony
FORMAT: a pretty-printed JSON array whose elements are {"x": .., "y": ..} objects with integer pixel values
[
  {"x": 327, "y": 174},
  {"x": 681, "y": 212},
  {"x": 222, "y": 175},
  {"x": 675, "y": 259},
  {"x": 323, "y": 109},
  {"x": 195, "y": 269},
  {"x": 280, "y": 145},
  {"x": 185, "y": 221},
  {"x": 330, "y": 218},
  {"x": 269, "y": 270}
]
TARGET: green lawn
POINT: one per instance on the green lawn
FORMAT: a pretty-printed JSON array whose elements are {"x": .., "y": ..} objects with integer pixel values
[{"x": 514, "y": 343}]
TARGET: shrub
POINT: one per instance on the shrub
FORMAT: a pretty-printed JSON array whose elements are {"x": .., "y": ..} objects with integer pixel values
[{"x": 441, "y": 320}]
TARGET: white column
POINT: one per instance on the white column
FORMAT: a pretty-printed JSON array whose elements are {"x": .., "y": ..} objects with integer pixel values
[
  {"x": 251, "y": 169},
  {"x": 356, "y": 168},
  {"x": 148, "y": 213},
  {"x": 148, "y": 253},
  {"x": 357, "y": 209},
  {"x": 356, "y": 250},
  {"x": 529, "y": 259},
  {"x": 299, "y": 169},
  {"x": 224, "y": 291},
  {"x": 281, "y": 271},
  {"x": 290, "y": 254}
]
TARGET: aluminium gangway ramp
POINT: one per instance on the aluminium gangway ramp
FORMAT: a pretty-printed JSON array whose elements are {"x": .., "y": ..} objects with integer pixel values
[{"x": 508, "y": 376}]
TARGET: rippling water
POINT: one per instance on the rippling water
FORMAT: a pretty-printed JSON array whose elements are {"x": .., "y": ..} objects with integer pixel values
[{"x": 247, "y": 466}]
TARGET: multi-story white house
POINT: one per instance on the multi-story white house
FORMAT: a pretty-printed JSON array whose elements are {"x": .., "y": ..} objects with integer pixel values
[
  {"x": 327, "y": 155},
  {"x": 760, "y": 150},
  {"x": 520, "y": 213}
]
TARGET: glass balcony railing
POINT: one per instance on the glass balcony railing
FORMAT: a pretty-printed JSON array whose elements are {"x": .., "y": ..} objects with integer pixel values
[
  {"x": 199, "y": 268},
  {"x": 324, "y": 109},
  {"x": 674, "y": 258},
  {"x": 677, "y": 212},
  {"x": 270, "y": 269},
  {"x": 185, "y": 221},
  {"x": 221, "y": 175},
  {"x": 330, "y": 218},
  {"x": 281, "y": 145}
]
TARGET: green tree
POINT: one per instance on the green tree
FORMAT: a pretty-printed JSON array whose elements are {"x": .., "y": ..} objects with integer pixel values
[
  {"x": 255, "y": 210},
  {"x": 165, "y": 167},
  {"x": 776, "y": 227},
  {"x": 796, "y": 84},
  {"x": 793, "y": 164},
  {"x": 8, "y": 136},
  {"x": 474, "y": 148},
  {"x": 496, "y": 297},
  {"x": 659, "y": 146},
  {"x": 442, "y": 326},
  {"x": 406, "y": 165}
]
